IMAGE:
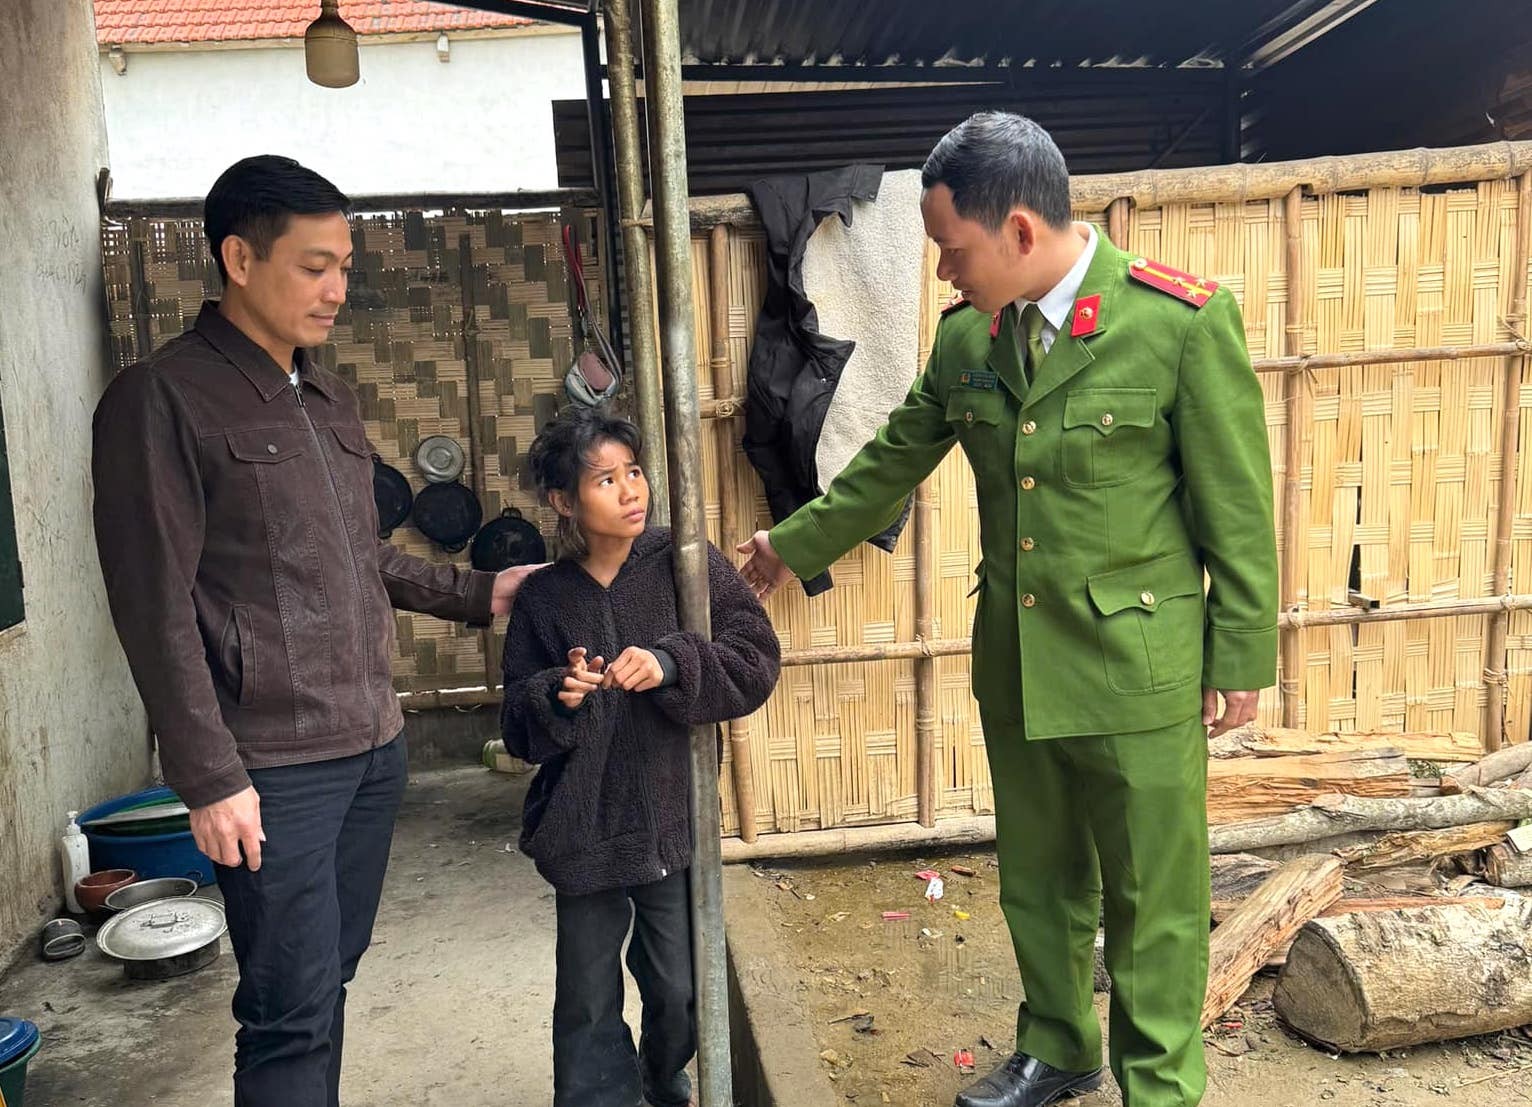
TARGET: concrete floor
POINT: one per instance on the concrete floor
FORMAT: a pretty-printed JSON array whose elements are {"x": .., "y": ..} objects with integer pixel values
[{"x": 452, "y": 1005}]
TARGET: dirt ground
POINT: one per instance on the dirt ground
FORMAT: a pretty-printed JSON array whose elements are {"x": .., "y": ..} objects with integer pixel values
[
  {"x": 451, "y": 1007},
  {"x": 890, "y": 1002}
]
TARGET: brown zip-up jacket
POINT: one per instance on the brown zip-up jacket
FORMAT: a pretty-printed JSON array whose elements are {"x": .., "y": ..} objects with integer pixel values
[{"x": 237, "y": 532}]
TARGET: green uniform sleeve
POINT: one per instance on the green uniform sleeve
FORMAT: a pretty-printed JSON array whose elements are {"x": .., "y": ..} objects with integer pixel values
[
  {"x": 867, "y": 496},
  {"x": 1220, "y": 428}
]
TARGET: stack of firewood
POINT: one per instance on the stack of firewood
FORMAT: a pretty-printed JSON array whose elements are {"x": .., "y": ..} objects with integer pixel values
[{"x": 1314, "y": 837}]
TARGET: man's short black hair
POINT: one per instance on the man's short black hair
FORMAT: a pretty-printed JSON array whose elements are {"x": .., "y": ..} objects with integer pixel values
[
  {"x": 255, "y": 197},
  {"x": 996, "y": 161}
]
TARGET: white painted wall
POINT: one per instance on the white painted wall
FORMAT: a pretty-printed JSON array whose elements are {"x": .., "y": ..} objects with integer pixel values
[
  {"x": 482, "y": 122},
  {"x": 72, "y": 731}
]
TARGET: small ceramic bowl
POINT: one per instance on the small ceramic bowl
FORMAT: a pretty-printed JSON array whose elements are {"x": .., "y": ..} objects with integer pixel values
[{"x": 92, "y": 890}]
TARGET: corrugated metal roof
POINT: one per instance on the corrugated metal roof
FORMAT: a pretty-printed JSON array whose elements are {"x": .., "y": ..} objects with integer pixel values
[
  {"x": 1103, "y": 120},
  {"x": 992, "y": 32}
]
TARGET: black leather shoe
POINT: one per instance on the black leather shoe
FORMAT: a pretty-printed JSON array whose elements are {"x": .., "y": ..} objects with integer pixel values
[{"x": 1022, "y": 1081}]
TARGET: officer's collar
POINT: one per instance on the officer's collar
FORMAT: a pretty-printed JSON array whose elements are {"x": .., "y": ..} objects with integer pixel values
[{"x": 1057, "y": 305}]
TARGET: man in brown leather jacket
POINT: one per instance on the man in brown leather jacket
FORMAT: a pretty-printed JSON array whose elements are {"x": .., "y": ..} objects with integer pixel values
[{"x": 237, "y": 532}]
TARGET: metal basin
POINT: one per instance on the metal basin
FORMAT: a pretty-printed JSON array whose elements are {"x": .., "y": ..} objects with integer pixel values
[{"x": 145, "y": 891}]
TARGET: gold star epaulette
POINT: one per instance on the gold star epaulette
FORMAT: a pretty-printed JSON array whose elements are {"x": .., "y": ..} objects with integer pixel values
[
  {"x": 957, "y": 304},
  {"x": 1183, "y": 286}
]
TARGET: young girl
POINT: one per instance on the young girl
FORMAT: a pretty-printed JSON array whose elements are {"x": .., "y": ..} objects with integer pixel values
[{"x": 601, "y": 686}]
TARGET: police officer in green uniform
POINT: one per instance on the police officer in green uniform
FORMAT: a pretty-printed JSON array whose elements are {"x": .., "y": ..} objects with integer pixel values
[{"x": 1128, "y": 585}]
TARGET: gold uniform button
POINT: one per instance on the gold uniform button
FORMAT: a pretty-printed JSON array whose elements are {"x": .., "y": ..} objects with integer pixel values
[
  {"x": 1029, "y": 600},
  {"x": 1147, "y": 598},
  {"x": 1029, "y": 427},
  {"x": 1027, "y": 484},
  {"x": 968, "y": 417},
  {"x": 1027, "y": 543},
  {"x": 1107, "y": 420}
]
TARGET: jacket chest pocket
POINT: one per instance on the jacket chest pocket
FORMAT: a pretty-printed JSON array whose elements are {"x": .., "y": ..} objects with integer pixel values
[
  {"x": 1106, "y": 437},
  {"x": 273, "y": 471},
  {"x": 267, "y": 445},
  {"x": 354, "y": 469},
  {"x": 978, "y": 418}
]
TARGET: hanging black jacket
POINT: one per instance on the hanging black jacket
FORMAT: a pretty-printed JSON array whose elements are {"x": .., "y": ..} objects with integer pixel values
[{"x": 793, "y": 368}]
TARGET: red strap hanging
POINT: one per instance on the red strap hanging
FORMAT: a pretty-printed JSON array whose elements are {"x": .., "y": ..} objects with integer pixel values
[{"x": 576, "y": 269}]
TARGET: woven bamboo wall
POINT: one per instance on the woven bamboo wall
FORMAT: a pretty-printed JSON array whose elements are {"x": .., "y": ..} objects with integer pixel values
[
  {"x": 1400, "y": 475},
  {"x": 400, "y": 342},
  {"x": 1400, "y": 464}
]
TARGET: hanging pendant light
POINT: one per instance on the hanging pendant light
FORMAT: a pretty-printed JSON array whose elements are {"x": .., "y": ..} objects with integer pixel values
[{"x": 329, "y": 49}]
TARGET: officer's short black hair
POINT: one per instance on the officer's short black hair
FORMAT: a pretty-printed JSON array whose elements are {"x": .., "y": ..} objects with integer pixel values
[
  {"x": 562, "y": 451},
  {"x": 996, "y": 161},
  {"x": 255, "y": 197}
]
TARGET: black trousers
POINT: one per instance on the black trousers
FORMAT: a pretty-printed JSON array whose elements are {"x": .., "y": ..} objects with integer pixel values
[
  {"x": 300, "y": 924},
  {"x": 594, "y": 1063}
]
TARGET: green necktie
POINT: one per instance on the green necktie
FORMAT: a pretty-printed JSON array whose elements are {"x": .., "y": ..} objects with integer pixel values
[{"x": 1032, "y": 333}]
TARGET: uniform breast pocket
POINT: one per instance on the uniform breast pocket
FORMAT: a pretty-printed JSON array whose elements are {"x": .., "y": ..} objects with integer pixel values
[
  {"x": 1107, "y": 433},
  {"x": 976, "y": 416}
]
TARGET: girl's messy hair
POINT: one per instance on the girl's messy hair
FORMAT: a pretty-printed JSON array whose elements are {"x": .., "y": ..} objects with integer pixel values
[{"x": 562, "y": 452}]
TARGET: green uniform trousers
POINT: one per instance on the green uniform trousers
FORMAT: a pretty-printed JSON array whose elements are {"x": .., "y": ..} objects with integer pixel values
[{"x": 1118, "y": 821}]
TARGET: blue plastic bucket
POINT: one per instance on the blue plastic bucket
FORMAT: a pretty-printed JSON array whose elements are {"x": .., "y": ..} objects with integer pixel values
[
  {"x": 150, "y": 855},
  {"x": 16, "y": 1035}
]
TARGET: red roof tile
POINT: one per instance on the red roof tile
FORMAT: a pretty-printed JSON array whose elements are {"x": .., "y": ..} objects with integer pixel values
[{"x": 141, "y": 21}]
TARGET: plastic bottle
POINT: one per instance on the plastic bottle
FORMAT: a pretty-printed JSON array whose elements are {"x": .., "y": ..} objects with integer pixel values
[{"x": 74, "y": 853}]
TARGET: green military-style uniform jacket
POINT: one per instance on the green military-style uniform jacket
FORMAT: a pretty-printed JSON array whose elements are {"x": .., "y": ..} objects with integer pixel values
[{"x": 1134, "y": 461}]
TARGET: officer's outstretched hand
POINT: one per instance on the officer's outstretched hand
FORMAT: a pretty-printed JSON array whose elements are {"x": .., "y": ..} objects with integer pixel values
[
  {"x": 764, "y": 571},
  {"x": 1238, "y": 709}
]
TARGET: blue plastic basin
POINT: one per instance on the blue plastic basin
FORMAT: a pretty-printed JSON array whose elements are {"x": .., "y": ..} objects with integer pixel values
[{"x": 149, "y": 855}]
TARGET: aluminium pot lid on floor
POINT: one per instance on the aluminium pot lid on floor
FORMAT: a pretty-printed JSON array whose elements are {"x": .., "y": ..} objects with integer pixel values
[{"x": 162, "y": 928}]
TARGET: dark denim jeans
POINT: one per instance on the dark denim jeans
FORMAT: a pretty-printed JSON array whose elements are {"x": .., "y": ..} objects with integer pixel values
[
  {"x": 300, "y": 924},
  {"x": 594, "y": 1064}
]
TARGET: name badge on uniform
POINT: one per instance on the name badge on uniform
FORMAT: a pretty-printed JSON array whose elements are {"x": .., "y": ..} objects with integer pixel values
[{"x": 982, "y": 379}]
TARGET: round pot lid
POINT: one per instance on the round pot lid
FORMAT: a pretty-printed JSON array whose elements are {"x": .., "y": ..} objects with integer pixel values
[
  {"x": 439, "y": 458},
  {"x": 16, "y": 1037},
  {"x": 161, "y": 928}
]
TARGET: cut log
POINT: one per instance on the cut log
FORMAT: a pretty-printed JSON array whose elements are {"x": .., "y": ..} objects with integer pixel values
[
  {"x": 1332, "y": 815},
  {"x": 1499, "y": 765},
  {"x": 1249, "y": 787},
  {"x": 1347, "y": 905},
  {"x": 1505, "y": 868},
  {"x": 1264, "y": 924},
  {"x": 1371, "y": 981},
  {"x": 1457, "y": 745},
  {"x": 1404, "y": 847},
  {"x": 1235, "y": 876}
]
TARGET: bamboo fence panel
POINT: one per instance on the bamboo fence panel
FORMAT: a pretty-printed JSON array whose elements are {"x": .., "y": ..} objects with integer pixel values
[{"x": 1394, "y": 497}]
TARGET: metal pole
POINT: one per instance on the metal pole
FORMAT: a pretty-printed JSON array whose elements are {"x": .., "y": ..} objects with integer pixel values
[
  {"x": 683, "y": 422},
  {"x": 635, "y": 248}
]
